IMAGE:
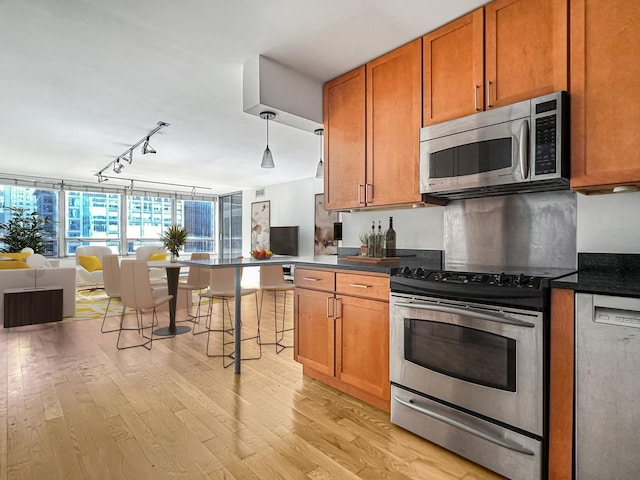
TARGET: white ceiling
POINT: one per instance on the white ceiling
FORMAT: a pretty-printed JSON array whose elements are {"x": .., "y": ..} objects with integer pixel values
[{"x": 83, "y": 80}]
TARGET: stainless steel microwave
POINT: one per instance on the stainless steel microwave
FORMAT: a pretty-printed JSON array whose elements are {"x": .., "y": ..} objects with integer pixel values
[{"x": 518, "y": 148}]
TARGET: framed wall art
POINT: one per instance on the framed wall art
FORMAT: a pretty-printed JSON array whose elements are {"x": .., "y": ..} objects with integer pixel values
[
  {"x": 260, "y": 223},
  {"x": 324, "y": 243}
]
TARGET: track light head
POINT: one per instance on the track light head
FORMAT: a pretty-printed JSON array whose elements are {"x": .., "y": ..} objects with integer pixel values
[
  {"x": 128, "y": 157},
  {"x": 117, "y": 166},
  {"x": 146, "y": 148}
]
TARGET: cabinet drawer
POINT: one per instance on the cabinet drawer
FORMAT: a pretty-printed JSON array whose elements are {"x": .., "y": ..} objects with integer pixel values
[
  {"x": 367, "y": 286},
  {"x": 314, "y": 279}
]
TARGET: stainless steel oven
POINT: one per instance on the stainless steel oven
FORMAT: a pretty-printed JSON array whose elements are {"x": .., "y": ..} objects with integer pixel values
[{"x": 468, "y": 354}]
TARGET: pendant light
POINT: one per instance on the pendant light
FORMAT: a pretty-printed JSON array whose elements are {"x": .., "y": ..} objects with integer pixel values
[
  {"x": 320, "y": 167},
  {"x": 267, "y": 158}
]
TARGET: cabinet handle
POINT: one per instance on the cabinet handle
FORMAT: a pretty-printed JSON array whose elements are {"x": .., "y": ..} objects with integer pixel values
[
  {"x": 335, "y": 309},
  {"x": 329, "y": 315},
  {"x": 476, "y": 89},
  {"x": 359, "y": 285},
  {"x": 311, "y": 279},
  {"x": 489, "y": 105},
  {"x": 360, "y": 187},
  {"x": 368, "y": 198}
]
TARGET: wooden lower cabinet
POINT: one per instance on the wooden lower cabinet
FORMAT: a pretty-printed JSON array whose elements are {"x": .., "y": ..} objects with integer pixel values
[
  {"x": 314, "y": 330},
  {"x": 362, "y": 340},
  {"x": 561, "y": 385},
  {"x": 343, "y": 340}
]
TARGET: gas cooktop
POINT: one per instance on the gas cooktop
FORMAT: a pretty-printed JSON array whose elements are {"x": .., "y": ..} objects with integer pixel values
[{"x": 512, "y": 287}]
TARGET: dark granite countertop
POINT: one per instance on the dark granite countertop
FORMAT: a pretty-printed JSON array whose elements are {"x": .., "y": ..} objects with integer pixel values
[{"x": 604, "y": 273}]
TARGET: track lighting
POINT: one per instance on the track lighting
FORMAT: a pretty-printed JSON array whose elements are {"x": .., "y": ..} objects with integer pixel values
[
  {"x": 320, "y": 167},
  {"x": 146, "y": 148},
  {"x": 267, "y": 158},
  {"x": 127, "y": 155}
]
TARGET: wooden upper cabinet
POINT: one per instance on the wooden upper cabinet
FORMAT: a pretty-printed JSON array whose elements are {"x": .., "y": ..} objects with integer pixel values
[
  {"x": 605, "y": 98},
  {"x": 453, "y": 69},
  {"x": 344, "y": 140},
  {"x": 394, "y": 118},
  {"x": 526, "y": 49}
]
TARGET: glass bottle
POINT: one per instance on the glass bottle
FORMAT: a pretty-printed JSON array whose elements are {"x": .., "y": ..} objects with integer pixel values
[
  {"x": 371, "y": 247},
  {"x": 390, "y": 240},
  {"x": 379, "y": 240}
]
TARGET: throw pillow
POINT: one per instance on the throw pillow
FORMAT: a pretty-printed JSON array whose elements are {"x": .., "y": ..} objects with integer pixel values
[
  {"x": 16, "y": 255},
  {"x": 157, "y": 256},
  {"x": 91, "y": 263},
  {"x": 12, "y": 265}
]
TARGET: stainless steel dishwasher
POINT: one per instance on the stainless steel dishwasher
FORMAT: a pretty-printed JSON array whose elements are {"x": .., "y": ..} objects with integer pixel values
[{"x": 607, "y": 429}]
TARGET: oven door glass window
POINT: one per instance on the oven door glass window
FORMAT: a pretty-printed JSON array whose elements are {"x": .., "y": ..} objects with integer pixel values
[{"x": 461, "y": 352}]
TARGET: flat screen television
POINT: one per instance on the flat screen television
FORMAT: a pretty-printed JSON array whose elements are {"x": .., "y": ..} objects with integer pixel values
[{"x": 284, "y": 240}]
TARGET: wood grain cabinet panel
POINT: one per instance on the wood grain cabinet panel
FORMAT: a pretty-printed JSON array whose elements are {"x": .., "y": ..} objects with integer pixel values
[
  {"x": 314, "y": 330},
  {"x": 561, "y": 385},
  {"x": 605, "y": 98},
  {"x": 453, "y": 69},
  {"x": 345, "y": 140},
  {"x": 526, "y": 45},
  {"x": 362, "y": 339},
  {"x": 394, "y": 118}
]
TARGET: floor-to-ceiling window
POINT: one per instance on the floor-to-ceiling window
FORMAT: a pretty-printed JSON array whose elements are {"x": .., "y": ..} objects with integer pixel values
[
  {"x": 230, "y": 225},
  {"x": 113, "y": 216}
]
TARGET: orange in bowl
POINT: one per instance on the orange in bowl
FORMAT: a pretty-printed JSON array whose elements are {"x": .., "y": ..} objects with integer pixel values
[{"x": 261, "y": 254}]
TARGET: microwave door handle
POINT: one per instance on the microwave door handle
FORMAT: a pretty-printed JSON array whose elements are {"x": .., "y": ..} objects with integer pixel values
[
  {"x": 468, "y": 312},
  {"x": 473, "y": 430},
  {"x": 524, "y": 149}
]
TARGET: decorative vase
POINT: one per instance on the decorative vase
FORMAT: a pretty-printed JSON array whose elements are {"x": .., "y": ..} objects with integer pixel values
[{"x": 174, "y": 258}]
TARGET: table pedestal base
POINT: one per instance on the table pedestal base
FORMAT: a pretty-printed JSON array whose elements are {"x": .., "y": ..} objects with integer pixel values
[{"x": 165, "y": 332}]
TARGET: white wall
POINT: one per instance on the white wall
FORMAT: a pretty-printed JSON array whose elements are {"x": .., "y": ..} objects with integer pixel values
[
  {"x": 291, "y": 204},
  {"x": 605, "y": 223}
]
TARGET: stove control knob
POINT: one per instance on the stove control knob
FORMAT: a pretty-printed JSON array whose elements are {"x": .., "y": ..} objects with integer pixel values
[
  {"x": 405, "y": 272},
  {"x": 502, "y": 278},
  {"x": 420, "y": 273}
]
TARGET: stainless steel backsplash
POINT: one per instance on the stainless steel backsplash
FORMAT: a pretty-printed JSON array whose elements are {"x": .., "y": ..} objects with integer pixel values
[{"x": 527, "y": 230}]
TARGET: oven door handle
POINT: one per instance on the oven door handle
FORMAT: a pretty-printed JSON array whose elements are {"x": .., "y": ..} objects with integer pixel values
[
  {"x": 489, "y": 436},
  {"x": 469, "y": 312}
]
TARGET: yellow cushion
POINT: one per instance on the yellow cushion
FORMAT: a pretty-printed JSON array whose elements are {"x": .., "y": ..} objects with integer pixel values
[
  {"x": 16, "y": 256},
  {"x": 12, "y": 265},
  {"x": 157, "y": 256},
  {"x": 91, "y": 263}
]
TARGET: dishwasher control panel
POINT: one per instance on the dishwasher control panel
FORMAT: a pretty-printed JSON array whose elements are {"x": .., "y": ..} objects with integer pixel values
[{"x": 614, "y": 316}]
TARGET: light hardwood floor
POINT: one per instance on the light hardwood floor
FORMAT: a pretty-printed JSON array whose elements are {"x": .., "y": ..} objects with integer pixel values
[{"x": 73, "y": 407}]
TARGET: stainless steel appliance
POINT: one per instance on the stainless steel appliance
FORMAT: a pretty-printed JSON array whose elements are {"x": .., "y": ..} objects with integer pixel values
[
  {"x": 468, "y": 355},
  {"x": 607, "y": 387},
  {"x": 518, "y": 148}
]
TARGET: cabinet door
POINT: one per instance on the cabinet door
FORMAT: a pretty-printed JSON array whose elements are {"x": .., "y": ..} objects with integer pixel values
[
  {"x": 394, "y": 118},
  {"x": 526, "y": 49},
  {"x": 362, "y": 343},
  {"x": 344, "y": 140},
  {"x": 453, "y": 69},
  {"x": 605, "y": 98},
  {"x": 314, "y": 337}
]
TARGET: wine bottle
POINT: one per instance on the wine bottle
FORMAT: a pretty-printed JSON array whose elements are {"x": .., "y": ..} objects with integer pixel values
[
  {"x": 379, "y": 240},
  {"x": 371, "y": 247},
  {"x": 390, "y": 240}
]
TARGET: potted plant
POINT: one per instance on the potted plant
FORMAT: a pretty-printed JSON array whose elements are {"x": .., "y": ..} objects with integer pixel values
[
  {"x": 364, "y": 240},
  {"x": 173, "y": 239},
  {"x": 24, "y": 230}
]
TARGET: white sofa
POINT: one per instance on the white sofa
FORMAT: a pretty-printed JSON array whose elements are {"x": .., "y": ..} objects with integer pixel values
[{"x": 41, "y": 277}]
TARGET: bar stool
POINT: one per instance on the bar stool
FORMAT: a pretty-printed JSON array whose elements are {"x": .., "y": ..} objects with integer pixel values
[
  {"x": 222, "y": 287},
  {"x": 136, "y": 293},
  {"x": 272, "y": 280}
]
